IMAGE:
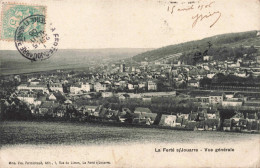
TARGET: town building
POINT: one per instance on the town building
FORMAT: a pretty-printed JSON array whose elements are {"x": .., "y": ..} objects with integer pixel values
[
  {"x": 151, "y": 86},
  {"x": 56, "y": 87},
  {"x": 100, "y": 87},
  {"x": 216, "y": 98},
  {"x": 30, "y": 87}
]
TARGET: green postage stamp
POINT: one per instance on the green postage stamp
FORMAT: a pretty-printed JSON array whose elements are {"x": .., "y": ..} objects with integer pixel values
[{"x": 12, "y": 14}]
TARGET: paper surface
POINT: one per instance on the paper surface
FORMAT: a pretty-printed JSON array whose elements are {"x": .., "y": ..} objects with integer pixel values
[{"x": 95, "y": 24}]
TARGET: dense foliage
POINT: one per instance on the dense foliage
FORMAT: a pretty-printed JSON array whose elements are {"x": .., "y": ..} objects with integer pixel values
[{"x": 190, "y": 48}]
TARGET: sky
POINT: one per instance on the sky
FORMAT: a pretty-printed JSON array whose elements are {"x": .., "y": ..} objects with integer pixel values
[{"x": 85, "y": 24}]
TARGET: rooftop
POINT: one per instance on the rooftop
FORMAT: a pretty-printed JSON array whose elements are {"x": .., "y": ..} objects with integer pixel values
[{"x": 142, "y": 109}]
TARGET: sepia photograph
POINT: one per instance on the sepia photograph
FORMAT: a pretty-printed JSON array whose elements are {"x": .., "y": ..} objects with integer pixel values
[{"x": 129, "y": 83}]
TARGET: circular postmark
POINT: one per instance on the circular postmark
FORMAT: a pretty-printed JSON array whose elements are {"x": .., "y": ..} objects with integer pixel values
[{"x": 34, "y": 39}]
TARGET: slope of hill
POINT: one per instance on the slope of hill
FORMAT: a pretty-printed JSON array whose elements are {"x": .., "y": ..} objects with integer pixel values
[
  {"x": 228, "y": 40},
  {"x": 12, "y": 62}
]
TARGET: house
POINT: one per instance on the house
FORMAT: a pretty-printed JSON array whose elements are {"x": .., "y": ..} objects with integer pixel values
[
  {"x": 215, "y": 98},
  {"x": 158, "y": 94},
  {"x": 207, "y": 58},
  {"x": 237, "y": 117},
  {"x": 52, "y": 97},
  {"x": 34, "y": 82},
  {"x": 60, "y": 112},
  {"x": 80, "y": 87},
  {"x": 258, "y": 59},
  {"x": 143, "y": 118},
  {"x": 67, "y": 102},
  {"x": 123, "y": 97},
  {"x": 130, "y": 86},
  {"x": 168, "y": 120},
  {"x": 211, "y": 116},
  {"x": 100, "y": 87},
  {"x": 93, "y": 111},
  {"x": 203, "y": 98},
  {"x": 17, "y": 78},
  {"x": 192, "y": 125},
  {"x": 22, "y": 87},
  {"x": 144, "y": 63},
  {"x": 238, "y": 125},
  {"x": 252, "y": 103},
  {"x": 179, "y": 121},
  {"x": 107, "y": 94},
  {"x": 184, "y": 122},
  {"x": 56, "y": 87},
  {"x": 151, "y": 86},
  {"x": 122, "y": 68},
  {"x": 141, "y": 85},
  {"x": 135, "y": 96},
  {"x": 234, "y": 65},
  {"x": 150, "y": 117},
  {"x": 193, "y": 116},
  {"x": 123, "y": 84},
  {"x": 211, "y": 124},
  {"x": 48, "y": 107},
  {"x": 202, "y": 116},
  {"x": 40, "y": 87},
  {"x": 85, "y": 87},
  {"x": 193, "y": 83},
  {"x": 227, "y": 125},
  {"x": 229, "y": 95},
  {"x": 75, "y": 89},
  {"x": 143, "y": 115},
  {"x": 232, "y": 103},
  {"x": 140, "y": 110},
  {"x": 251, "y": 126},
  {"x": 147, "y": 99},
  {"x": 206, "y": 68},
  {"x": 29, "y": 87},
  {"x": 90, "y": 110},
  {"x": 210, "y": 75},
  {"x": 184, "y": 116},
  {"x": 157, "y": 62},
  {"x": 111, "y": 114},
  {"x": 241, "y": 74},
  {"x": 123, "y": 116},
  {"x": 251, "y": 117},
  {"x": 28, "y": 98}
]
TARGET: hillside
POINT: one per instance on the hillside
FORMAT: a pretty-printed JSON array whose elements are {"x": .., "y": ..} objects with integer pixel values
[
  {"x": 225, "y": 40},
  {"x": 12, "y": 62}
]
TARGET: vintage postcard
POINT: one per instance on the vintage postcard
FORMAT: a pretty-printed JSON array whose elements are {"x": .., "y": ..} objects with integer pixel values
[{"x": 129, "y": 83}]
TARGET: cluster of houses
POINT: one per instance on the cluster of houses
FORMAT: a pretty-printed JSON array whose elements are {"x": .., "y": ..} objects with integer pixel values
[
  {"x": 232, "y": 100},
  {"x": 241, "y": 123},
  {"x": 58, "y": 90},
  {"x": 203, "y": 119},
  {"x": 145, "y": 116},
  {"x": 140, "y": 77}
]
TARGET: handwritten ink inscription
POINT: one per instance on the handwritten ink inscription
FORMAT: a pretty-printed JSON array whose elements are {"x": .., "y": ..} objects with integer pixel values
[{"x": 203, "y": 11}]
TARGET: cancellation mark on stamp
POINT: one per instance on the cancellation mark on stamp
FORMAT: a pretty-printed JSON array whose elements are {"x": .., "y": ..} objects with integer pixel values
[{"x": 33, "y": 42}]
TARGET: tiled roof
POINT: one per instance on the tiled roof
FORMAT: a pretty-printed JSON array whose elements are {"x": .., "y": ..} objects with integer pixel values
[
  {"x": 49, "y": 104},
  {"x": 142, "y": 109},
  {"x": 26, "y": 95},
  {"x": 216, "y": 94}
]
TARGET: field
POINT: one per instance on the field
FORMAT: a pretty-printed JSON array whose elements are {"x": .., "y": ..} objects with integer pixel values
[{"x": 36, "y": 133}]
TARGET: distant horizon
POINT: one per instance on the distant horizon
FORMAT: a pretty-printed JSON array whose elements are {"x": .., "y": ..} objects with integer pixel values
[
  {"x": 89, "y": 48},
  {"x": 104, "y": 48}
]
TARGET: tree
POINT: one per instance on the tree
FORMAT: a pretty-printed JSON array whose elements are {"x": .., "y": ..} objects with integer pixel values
[{"x": 16, "y": 111}]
